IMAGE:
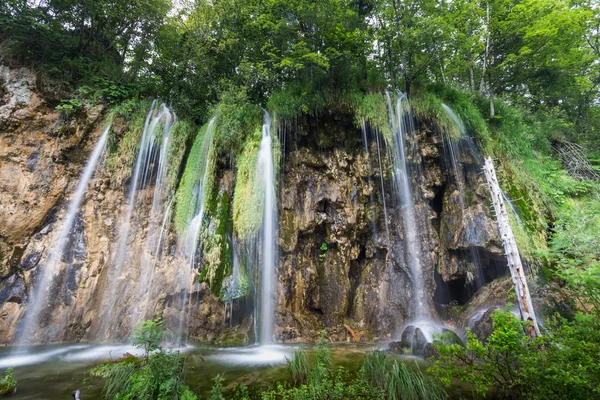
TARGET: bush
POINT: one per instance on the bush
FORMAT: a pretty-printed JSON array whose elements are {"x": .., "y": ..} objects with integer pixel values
[
  {"x": 563, "y": 363},
  {"x": 157, "y": 376}
]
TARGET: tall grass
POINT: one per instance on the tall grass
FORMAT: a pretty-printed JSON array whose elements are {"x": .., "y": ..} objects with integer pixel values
[
  {"x": 117, "y": 378},
  {"x": 298, "y": 366},
  {"x": 398, "y": 381}
]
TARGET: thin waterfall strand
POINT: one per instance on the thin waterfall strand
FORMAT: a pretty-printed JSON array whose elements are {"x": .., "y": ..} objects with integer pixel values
[
  {"x": 401, "y": 125},
  {"x": 39, "y": 298}
]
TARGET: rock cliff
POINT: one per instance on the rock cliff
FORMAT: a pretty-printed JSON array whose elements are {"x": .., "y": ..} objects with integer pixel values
[{"x": 342, "y": 260}]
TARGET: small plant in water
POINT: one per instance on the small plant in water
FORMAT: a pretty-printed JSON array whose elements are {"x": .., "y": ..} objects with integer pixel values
[
  {"x": 8, "y": 384},
  {"x": 298, "y": 367}
]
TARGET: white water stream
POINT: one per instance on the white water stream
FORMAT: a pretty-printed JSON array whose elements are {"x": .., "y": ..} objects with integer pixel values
[{"x": 41, "y": 290}]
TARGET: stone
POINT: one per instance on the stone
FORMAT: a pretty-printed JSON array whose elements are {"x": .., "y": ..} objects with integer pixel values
[
  {"x": 483, "y": 326},
  {"x": 413, "y": 340}
]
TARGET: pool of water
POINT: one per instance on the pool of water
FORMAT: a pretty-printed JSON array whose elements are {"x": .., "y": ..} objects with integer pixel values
[{"x": 54, "y": 372}]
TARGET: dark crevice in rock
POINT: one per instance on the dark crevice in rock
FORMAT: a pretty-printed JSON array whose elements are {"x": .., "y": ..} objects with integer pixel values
[{"x": 354, "y": 275}]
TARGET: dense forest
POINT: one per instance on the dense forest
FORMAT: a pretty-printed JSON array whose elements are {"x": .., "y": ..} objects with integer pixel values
[{"x": 523, "y": 76}]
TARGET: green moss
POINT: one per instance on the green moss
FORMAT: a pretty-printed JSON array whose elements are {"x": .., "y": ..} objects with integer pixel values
[
  {"x": 218, "y": 253},
  {"x": 182, "y": 133},
  {"x": 248, "y": 198},
  {"x": 232, "y": 339},
  {"x": 194, "y": 172},
  {"x": 464, "y": 104},
  {"x": 123, "y": 148},
  {"x": 428, "y": 106}
]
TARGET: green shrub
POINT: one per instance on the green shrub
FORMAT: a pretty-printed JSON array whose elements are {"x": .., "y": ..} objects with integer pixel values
[
  {"x": 69, "y": 107},
  {"x": 563, "y": 363},
  {"x": 157, "y": 376},
  {"x": 236, "y": 119}
]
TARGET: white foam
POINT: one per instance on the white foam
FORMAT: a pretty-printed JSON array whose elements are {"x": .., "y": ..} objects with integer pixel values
[
  {"x": 27, "y": 356},
  {"x": 254, "y": 355}
]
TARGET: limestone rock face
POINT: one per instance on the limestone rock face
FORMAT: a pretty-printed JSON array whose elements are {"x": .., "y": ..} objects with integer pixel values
[{"x": 342, "y": 258}]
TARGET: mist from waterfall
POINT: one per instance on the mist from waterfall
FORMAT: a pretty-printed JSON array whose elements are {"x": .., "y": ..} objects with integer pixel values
[
  {"x": 265, "y": 313},
  {"x": 41, "y": 289}
]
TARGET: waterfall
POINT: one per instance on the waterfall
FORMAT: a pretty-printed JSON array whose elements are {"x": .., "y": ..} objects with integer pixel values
[
  {"x": 190, "y": 237},
  {"x": 265, "y": 174},
  {"x": 401, "y": 124},
  {"x": 41, "y": 290},
  {"x": 151, "y": 164},
  {"x": 456, "y": 155}
]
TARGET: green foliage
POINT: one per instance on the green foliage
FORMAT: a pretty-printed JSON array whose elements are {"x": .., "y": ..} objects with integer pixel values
[
  {"x": 102, "y": 89},
  {"x": 427, "y": 106},
  {"x": 80, "y": 41},
  {"x": 295, "y": 99},
  {"x": 157, "y": 376},
  {"x": 148, "y": 336},
  {"x": 563, "y": 363},
  {"x": 379, "y": 378},
  {"x": 8, "y": 384},
  {"x": 69, "y": 107},
  {"x": 298, "y": 367},
  {"x": 372, "y": 107},
  {"x": 574, "y": 247},
  {"x": 216, "y": 392},
  {"x": 323, "y": 249},
  {"x": 464, "y": 104},
  {"x": 236, "y": 119}
]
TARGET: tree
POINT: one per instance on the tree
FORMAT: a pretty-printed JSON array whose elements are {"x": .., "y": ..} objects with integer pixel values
[{"x": 148, "y": 336}]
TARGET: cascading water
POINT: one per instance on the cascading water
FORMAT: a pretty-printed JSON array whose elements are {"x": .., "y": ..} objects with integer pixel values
[
  {"x": 456, "y": 154},
  {"x": 191, "y": 235},
  {"x": 265, "y": 314},
  {"x": 154, "y": 145},
  {"x": 401, "y": 124},
  {"x": 39, "y": 298}
]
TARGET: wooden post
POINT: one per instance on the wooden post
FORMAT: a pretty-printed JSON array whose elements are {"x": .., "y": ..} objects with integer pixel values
[{"x": 517, "y": 272}]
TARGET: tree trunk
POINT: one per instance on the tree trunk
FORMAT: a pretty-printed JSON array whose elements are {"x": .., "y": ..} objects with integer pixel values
[
  {"x": 492, "y": 110},
  {"x": 471, "y": 74},
  {"x": 517, "y": 272},
  {"x": 486, "y": 54}
]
